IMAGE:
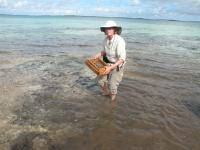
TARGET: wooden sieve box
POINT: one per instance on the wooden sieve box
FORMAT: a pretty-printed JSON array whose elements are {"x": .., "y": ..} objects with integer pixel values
[{"x": 96, "y": 65}]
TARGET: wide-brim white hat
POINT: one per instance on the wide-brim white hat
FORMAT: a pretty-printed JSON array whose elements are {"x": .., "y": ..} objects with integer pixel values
[{"x": 111, "y": 24}]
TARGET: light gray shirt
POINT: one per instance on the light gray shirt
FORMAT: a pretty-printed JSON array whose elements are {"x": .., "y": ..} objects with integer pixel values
[{"x": 115, "y": 48}]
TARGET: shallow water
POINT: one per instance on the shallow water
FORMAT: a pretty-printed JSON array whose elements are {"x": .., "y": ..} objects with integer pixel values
[{"x": 49, "y": 98}]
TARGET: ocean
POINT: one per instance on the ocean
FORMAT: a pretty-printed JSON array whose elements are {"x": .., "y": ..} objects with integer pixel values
[{"x": 49, "y": 98}]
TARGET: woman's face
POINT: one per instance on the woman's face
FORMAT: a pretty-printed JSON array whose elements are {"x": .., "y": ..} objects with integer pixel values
[{"x": 110, "y": 31}]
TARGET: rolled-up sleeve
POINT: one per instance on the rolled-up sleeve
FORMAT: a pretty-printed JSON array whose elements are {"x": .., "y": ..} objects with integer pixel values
[{"x": 121, "y": 50}]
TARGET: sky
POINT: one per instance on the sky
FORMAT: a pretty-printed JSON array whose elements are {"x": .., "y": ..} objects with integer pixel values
[{"x": 187, "y": 10}]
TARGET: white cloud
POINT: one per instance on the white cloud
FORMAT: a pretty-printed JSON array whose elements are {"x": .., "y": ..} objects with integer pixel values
[
  {"x": 20, "y": 4},
  {"x": 191, "y": 7},
  {"x": 173, "y": 9},
  {"x": 188, "y": 7},
  {"x": 128, "y": 8},
  {"x": 110, "y": 10},
  {"x": 100, "y": 9},
  {"x": 64, "y": 12},
  {"x": 13, "y": 4},
  {"x": 3, "y": 3},
  {"x": 135, "y": 2},
  {"x": 43, "y": 8},
  {"x": 158, "y": 11}
]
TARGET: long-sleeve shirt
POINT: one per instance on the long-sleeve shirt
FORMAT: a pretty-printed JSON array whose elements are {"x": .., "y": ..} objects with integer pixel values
[{"x": 115, "y": 48}]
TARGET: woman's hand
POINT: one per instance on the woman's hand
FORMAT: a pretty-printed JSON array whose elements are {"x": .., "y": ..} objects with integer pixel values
[
  {"x": 108, "y": 70},
  {"x": 96, "y": 56}
]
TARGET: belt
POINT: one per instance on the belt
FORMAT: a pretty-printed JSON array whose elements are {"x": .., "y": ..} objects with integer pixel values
[{"x": 107, "y": 60}]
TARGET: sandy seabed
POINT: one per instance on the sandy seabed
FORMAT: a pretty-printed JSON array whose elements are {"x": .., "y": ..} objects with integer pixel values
[{"x": 51, "y": 102}]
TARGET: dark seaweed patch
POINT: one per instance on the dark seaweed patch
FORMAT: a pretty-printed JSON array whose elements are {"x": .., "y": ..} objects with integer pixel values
[{"x": 193, "y": 105}]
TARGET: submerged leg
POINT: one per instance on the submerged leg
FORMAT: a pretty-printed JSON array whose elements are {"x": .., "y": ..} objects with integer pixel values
[
  {"x": 104, "y": 89},
  {"x": 113, "y": 97},
  {"x": 113, "y": 82},
  {"x": 102, "y": 82}
]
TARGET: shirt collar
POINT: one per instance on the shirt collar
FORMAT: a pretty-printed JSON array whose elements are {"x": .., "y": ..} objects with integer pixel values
[{"x": 111, "y": 39}]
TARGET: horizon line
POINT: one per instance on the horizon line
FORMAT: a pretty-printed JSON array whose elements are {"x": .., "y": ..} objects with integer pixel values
[{"x": 100, "y": 17}]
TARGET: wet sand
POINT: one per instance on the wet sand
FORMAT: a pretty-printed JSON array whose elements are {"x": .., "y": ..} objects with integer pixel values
[{"x": 51, "y": 101}]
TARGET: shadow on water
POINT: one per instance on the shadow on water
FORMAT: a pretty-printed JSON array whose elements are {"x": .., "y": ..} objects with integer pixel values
[{"x": 193, "y": 105}]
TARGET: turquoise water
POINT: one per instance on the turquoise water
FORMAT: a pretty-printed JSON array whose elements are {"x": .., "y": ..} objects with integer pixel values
[
  {"x": 42, "y": 70},
  {"x": 27, "y": 32},
  {"x": 81, "y": 34},
  {"x": 65, "y": 23}
]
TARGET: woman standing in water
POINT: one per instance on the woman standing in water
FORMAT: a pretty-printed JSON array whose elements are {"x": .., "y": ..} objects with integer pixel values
[{"x": 114, "y": 54}]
